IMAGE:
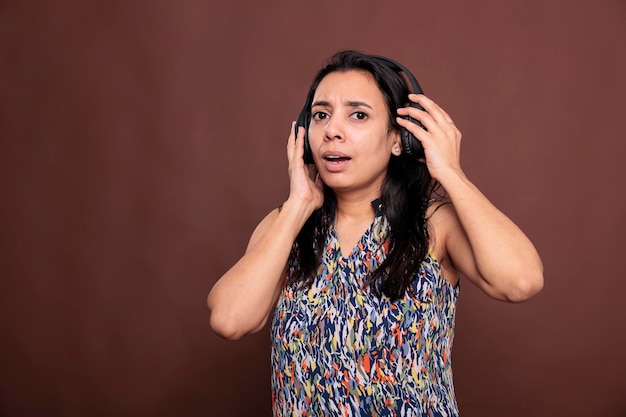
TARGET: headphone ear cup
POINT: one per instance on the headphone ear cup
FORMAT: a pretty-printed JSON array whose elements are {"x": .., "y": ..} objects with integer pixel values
[
  {"x": 405, "y": 138},
  {"x": 410, "y": 144}
]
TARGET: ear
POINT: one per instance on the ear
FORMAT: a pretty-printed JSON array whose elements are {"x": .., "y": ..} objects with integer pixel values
[{"x": 396, "y": 143}]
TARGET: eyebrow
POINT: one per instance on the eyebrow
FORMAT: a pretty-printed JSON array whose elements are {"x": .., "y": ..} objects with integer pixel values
[{"x": 349, "y": 103}]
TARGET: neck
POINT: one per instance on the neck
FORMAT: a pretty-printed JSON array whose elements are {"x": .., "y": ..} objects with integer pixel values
[{"x": 355, "y": 207}]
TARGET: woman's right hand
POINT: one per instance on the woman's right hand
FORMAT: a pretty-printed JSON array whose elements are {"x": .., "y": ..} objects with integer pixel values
[
  {"x": 305, "y": 185},
  {"x": 243, "y": 299}
]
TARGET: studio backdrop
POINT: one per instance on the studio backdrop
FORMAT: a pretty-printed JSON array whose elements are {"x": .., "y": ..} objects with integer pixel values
[{"x": 142, "y": 141}]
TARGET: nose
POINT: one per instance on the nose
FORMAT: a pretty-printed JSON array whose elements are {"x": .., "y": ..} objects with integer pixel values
[{"x": 333, "y": 128}]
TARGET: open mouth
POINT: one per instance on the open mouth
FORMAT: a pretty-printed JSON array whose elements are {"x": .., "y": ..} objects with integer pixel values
[{"x": 337, "y": 159}]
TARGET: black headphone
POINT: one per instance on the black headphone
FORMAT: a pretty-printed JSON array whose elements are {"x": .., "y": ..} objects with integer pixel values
[{"x": 410, "y": 144}]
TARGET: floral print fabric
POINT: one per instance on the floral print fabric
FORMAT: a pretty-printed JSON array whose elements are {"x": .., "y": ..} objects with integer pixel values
[{"x": 338, "y": 350}]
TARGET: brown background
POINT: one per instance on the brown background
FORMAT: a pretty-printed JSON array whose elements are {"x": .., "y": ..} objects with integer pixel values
[{"x": 143, "y": 140}]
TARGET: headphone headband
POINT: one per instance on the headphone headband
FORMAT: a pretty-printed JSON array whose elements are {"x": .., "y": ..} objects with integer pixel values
[{"x": 398, "y": 67}]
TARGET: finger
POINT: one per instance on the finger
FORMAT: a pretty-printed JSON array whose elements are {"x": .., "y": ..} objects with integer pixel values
[
  {"x": 419, "y": 115},
  {"x": 436, "y": 112},
  {"x": 417, "y": 131},
  {"x": 295, "y": 144},
  {"x": 291, "y": 142},
  {"x": 296, "y": 147},
  {"x": 432, "y": 122},
  {"x": 299, "y": 141}
]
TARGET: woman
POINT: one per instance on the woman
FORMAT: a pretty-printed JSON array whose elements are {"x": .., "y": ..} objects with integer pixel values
[{"x": 358, "y": 271}]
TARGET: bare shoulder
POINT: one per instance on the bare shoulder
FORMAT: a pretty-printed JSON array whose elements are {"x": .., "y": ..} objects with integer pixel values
[{"x": 262, "y": 227}]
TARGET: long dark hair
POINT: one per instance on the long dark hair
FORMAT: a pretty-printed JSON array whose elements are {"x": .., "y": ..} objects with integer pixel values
[{"x": 406, "y": 191}]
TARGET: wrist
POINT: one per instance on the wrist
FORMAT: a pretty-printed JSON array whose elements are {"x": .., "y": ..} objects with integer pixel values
[
  {"x": 449, "y": 177},
  {"x": 298, "y": 210}
]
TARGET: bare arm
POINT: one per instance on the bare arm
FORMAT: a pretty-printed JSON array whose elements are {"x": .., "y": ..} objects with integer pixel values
[
  {"x": 481, "y": 242},
  {"x": 486, "y": 247},
  {"x": 243, "y": 298}
]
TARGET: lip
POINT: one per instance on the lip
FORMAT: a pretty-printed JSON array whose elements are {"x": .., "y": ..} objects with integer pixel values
[
  {"x": 329, "y": 153},
  {"x": 335, "y": 166}
]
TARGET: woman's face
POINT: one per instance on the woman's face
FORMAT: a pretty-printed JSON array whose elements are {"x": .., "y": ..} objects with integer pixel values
[{"x": 349, "y": 133}]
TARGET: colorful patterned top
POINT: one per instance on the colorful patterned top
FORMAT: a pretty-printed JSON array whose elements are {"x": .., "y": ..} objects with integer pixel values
[{"x": 338, "y": 350}]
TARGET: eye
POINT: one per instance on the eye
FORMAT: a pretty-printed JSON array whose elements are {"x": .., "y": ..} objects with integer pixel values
[
  {"x": 319, "y": 115},
  {"x": 359, "y": 115}
]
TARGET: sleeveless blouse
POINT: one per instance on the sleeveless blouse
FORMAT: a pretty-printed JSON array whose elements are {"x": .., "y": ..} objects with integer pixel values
[{"x": 339, "y": 350}]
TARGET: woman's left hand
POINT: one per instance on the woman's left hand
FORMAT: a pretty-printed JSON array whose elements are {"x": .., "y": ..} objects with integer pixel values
[
  {"x": 441, "y": 141},
  {"x": 481, "y": 243}
]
